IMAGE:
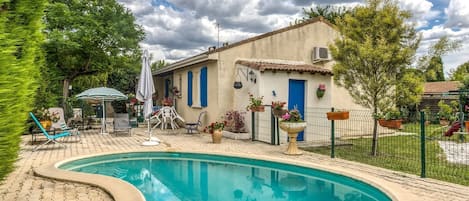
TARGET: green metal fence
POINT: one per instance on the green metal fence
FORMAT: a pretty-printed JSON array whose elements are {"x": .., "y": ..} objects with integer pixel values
[{"x": 417, "y": 146}]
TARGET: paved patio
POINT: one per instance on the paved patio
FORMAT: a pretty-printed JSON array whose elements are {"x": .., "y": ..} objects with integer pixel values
[{"x": 22, "y": 184}]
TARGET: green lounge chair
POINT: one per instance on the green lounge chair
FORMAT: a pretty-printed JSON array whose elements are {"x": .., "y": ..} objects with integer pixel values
[{"x": 50, "y": 138}]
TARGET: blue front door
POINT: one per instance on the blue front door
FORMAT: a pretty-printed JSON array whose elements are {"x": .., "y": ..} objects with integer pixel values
[{"x": 296, "y": 97}]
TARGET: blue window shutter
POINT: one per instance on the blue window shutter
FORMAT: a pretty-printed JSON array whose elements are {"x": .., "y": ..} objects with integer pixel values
[
  {"x": 203, "y": 87},
  {"x": 189, "y": 88}
]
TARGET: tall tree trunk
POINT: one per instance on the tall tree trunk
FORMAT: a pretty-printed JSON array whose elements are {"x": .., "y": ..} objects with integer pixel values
[
  {"x": 374, "y": 145},
  {"x": 65, "y": 91}
]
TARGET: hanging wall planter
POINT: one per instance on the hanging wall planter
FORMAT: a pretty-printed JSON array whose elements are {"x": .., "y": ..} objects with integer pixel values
[
  {"x": 321, "y": 90},
  {"x": 343, "y": 115}
]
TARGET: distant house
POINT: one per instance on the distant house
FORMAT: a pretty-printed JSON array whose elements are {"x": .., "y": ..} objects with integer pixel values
[
  {"x": 436, "y": 91},
  {"x": 285, "y": 65}
]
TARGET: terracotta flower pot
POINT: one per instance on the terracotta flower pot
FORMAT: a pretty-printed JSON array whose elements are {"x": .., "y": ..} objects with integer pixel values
[
  {"x": 279, "y": 112},
  {"x": 392, "y": 124},
  {"x": 216, "y": 136},
  {"x": 338, "y": 115},
  {"x": 259, "y": 108},
  {"x": 46, "y": 123}
]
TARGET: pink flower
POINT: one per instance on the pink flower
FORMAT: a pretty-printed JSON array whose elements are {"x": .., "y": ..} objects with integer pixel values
[
  {"x": 286, "y": 116},
  {"x": 322, "y": 87}
]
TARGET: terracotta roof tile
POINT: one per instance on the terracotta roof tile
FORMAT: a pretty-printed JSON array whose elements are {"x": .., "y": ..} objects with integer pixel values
[
  {"x": 277, "y": 66},
  {"x": 441, "y": 87}
]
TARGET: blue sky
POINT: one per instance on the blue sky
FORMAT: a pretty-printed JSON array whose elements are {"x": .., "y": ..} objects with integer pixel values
[{"x": 176, "y": 29}]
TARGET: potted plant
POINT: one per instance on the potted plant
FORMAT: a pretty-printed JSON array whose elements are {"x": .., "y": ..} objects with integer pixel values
[
  {"x": 321, "y": 90},
  {"x": 277, "y": 108},
  {"x": 234, "y": 121},
  {"x": 255, "y": 104},
  {"x": 446, "y": 112},
  {"x": 216, "y": 129},
  {"x": 43, "y": 116},
  {"x": 292, "y": 123},
  {"x": 167, "y": 101},
  {"x": 391, "y": 119},
  {"x": 235, "y": 125},
  {"x": 176, "y": 92}
]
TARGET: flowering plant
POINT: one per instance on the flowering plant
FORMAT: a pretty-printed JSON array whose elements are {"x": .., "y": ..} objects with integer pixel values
[
  {"x": 55, "y": 116},
  {"x": 292, "y": 116},
  {"x": 43, "y": 114},
  {"x": 234, "y": 121},
  {"x": 254, "y": 101},
  {"x": 216, "y": 126},
  {"x": 278, "y": 105},
  {"x": 167, "y": 101},
  {"x": 321, "y": 90},
  {"x": 176, "y": 91}
]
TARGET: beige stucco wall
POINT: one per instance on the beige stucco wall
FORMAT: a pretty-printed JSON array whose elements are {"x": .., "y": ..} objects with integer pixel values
[
  {"x": 191, "y": 113},
  {"x": 278, "y": 81},
  {"x": 295, "y": 45}
]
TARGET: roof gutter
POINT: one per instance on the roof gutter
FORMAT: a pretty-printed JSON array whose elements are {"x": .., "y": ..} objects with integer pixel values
[{"x": 183, "y": 63}]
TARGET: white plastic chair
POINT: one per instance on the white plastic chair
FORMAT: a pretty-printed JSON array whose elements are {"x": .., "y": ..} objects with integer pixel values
[{"x": 167, "y": 117}]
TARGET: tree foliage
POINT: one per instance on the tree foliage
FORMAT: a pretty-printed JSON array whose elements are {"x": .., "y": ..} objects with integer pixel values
[
  {"x": 87, "y": 38},
  {"x": 21, "y": 58},
  {"x": 330, "y": 13},
  {"x": 374, "y": 51},
  {"x": 158, "y": 64},
  {"x": 460, "y": 72},
  {"x": 431, "y": 64}
]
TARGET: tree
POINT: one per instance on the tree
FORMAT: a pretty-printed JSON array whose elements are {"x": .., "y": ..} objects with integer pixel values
[
  {"x": 460, "y": 72},
  {"x": 86, "y": 38},
  {"x": 434, "y": 71},
  {"x": 330, "y": 13},
  {"x": 20, "y": 59},
  {"x": 431, "y": 64},
  {"x": 374, "y": 51},
  {"x": 158, "y": 64}
]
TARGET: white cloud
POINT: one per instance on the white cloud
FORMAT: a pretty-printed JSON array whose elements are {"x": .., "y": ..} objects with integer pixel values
[
  {"x": 421, "y": 11},
  {"x": 177, "y": 29},
  {"x": 452, "y": 59},
  {"x": 458, "y": 13}
]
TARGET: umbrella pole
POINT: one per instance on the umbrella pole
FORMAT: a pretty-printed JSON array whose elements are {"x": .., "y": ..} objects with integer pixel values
[
  {"x": 103, "y": 126},
  {"x": 150, "y": 141}
]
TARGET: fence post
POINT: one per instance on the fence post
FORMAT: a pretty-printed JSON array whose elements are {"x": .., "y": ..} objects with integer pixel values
[
  {"x": 272, "y": 128},
  {"x": 422, "y": 145},
  {"x": 332, "y": 137},
  {"x": 253, "y": 126}
]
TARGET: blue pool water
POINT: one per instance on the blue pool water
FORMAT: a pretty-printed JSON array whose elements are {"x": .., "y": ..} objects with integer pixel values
[{"x": 163, "y": 176}]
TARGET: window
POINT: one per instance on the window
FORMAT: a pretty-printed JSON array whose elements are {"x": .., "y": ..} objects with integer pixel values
[
  {"x": 189, "y": 88},
  {"x": 203, "y": 87}
]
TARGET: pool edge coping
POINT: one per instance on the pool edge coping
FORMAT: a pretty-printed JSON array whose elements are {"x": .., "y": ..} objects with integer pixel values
[{"x": 121, "y": 190}]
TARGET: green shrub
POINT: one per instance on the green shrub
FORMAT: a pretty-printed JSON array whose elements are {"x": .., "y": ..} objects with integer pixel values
[{"x": 20, "y": 60}]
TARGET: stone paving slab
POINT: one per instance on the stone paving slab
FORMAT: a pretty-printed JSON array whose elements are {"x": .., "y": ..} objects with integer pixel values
[{"x": 22, "y": 184}]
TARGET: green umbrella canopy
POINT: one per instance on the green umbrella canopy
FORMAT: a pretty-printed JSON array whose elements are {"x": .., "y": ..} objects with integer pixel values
[{"x": 102, "y": 93}]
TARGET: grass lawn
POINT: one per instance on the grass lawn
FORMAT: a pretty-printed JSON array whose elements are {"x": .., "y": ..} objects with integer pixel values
[{"x": 401, "y": 153}]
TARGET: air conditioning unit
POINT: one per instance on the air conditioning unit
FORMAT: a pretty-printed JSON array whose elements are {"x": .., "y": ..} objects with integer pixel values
[{"x": 320, "y": 54}]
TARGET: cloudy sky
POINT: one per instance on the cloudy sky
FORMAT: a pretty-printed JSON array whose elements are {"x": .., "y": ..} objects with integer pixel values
[{"x": 176, "y": 29}]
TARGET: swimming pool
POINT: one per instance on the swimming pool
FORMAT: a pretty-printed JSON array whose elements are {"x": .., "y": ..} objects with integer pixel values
[{"x": 175, "y": 176}]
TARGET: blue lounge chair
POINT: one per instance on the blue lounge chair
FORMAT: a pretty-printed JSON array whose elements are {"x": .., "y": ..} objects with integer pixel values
[{"x": 50, "y": 138}]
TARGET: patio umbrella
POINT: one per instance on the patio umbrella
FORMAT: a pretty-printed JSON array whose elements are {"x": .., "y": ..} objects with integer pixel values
[
  {"x": 102, "y": 94},
  {"x": 145, "y": 90}
]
